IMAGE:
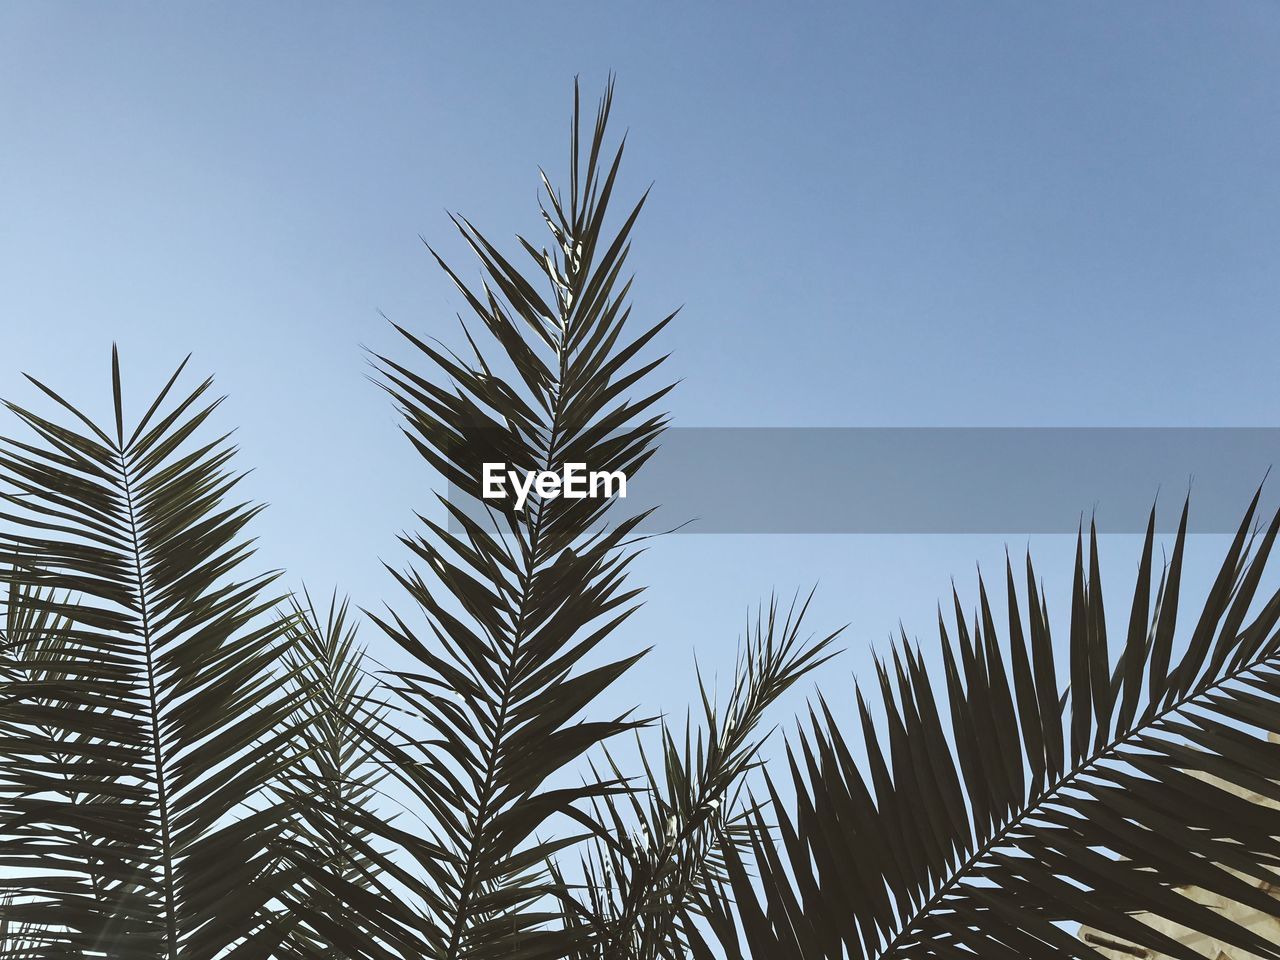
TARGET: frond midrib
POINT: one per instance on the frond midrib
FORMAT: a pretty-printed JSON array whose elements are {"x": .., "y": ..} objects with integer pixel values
[
  {"x": 157, "y": 747},
  {"x": 1049, "y": 793},
  {"x": 510, "y": 676}
]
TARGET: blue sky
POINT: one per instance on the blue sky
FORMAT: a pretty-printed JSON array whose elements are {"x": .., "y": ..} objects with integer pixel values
[{"x": 874, "y": 214}]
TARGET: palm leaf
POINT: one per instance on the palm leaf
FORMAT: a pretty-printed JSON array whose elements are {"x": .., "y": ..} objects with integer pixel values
[
  {"x": 21, "y": 941},
  {"x": 993, "y": 810},
  {"x": 38, "y": 661},
  {"x": 658, "y": 849},
  {"x": 340, "y": 905},
  {"x": 165, "y": 703},
  {"x": 514, "y": 600}
]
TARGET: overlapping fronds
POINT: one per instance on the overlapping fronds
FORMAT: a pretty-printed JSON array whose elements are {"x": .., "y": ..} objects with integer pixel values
[
  {"x": 999, "y": 806},
  {"x": 187, "y": 773},
  {"x": 37, "y": 659},
  {"x": 515, "y": 600},
  {"x": 659, "y": 848},
  {"x": 143, "y": 707},
  {"x": 18, "y": 940},
  {"x": 339, "y": 905}
]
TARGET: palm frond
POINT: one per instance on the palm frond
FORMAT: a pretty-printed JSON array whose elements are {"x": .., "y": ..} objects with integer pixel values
[
  {"x": 340, "y": 906},
  {"x": 657, "y": 849},
  {"x": 164, "y": 701},
  {"x": 998, "y": 806},
  {"x": 37, "y": 662},
  {"x": 515, "y": 599},
  {"x": 22, "y": 941}
]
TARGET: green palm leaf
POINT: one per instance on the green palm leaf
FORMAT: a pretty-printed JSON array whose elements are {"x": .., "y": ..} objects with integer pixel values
[
  {"x": 515, "y": 599},
  {"x": 992, "y": 811}
]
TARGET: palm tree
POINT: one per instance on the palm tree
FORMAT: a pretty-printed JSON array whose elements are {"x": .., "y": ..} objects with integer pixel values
[
  {"x": 177, "y": 780},
  {"x": 997, "y": 807},
  {"x": 194, "y": 764}
]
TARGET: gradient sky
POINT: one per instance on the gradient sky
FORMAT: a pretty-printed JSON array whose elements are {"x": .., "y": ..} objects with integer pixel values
[{"x": 874, "y": 214}]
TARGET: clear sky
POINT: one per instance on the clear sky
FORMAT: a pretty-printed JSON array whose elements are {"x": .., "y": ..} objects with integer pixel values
[{"x": 875, "y": 214}]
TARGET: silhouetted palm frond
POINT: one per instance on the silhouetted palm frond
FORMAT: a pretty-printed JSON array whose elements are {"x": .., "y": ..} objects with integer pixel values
[
  {"x": 149, "y": 710},
  {"x": 993, "y": 810},
  {"x": 21, "y": 941},
  {"x": 515, "y": 599},
  {"x": 38, "y": 663},
  {"x": 657, "y": 849},
  {"x": 340, "y": 906}
]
